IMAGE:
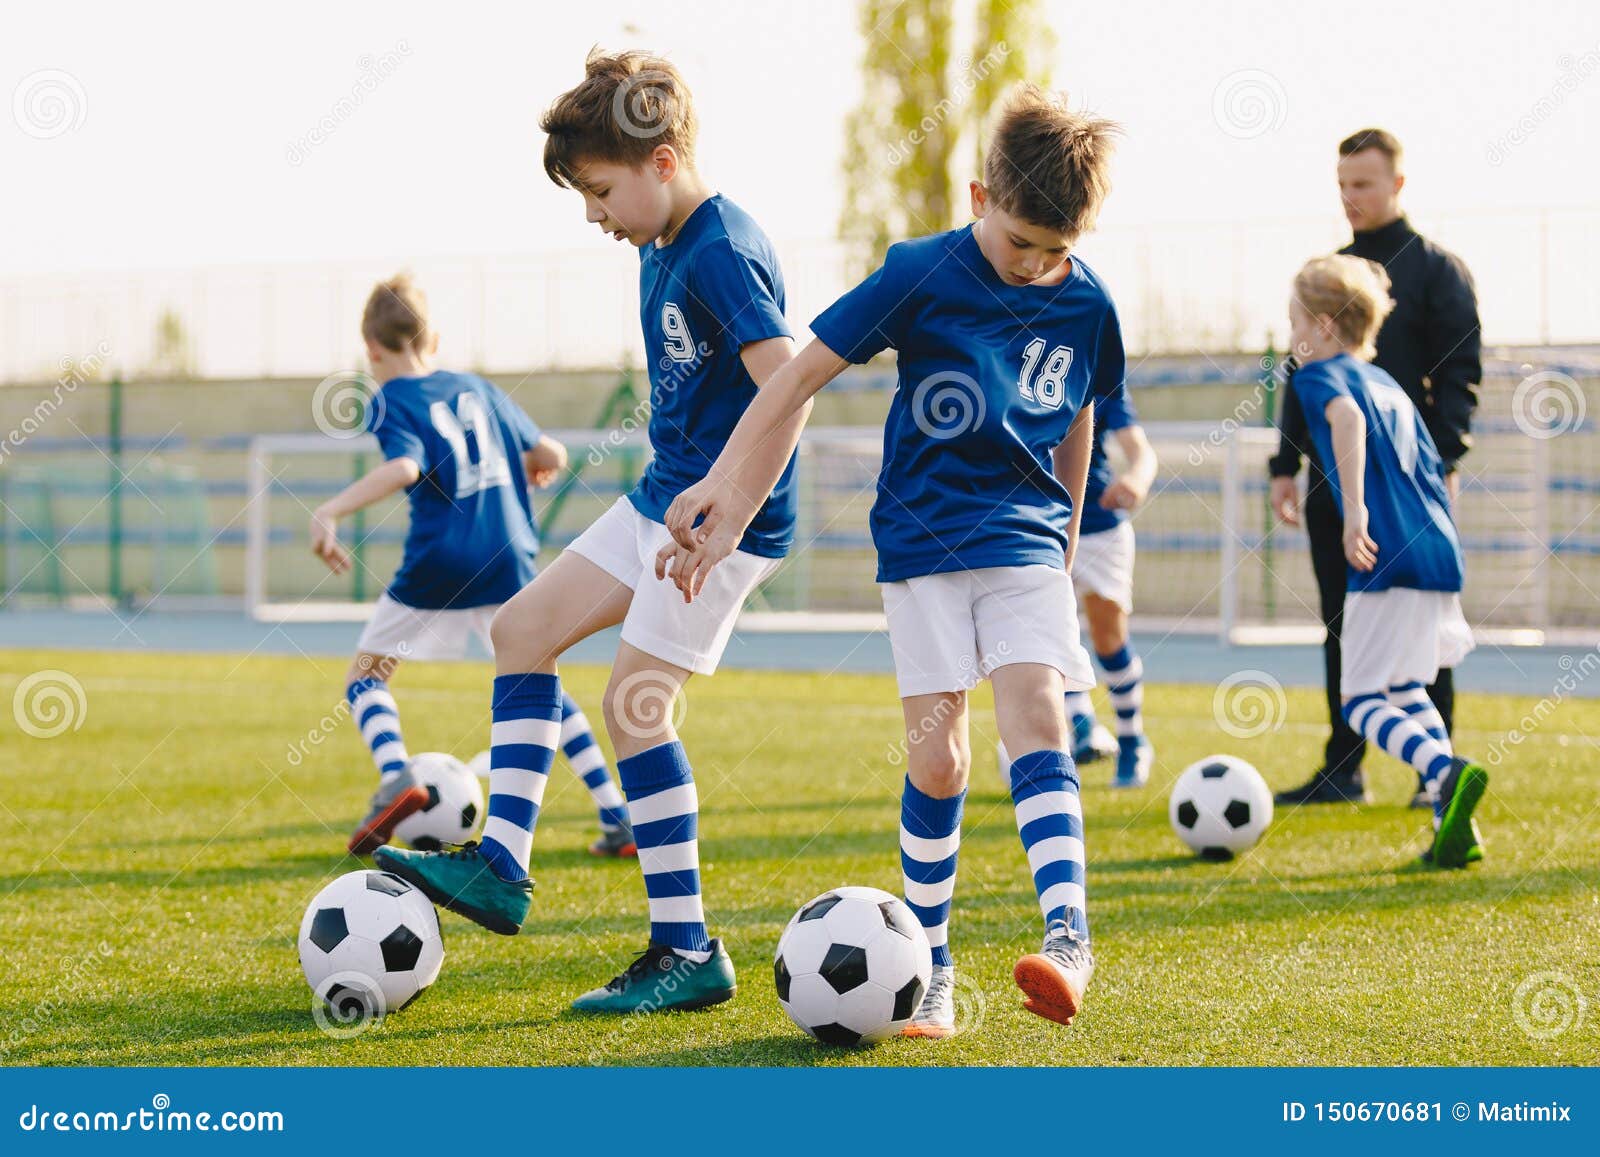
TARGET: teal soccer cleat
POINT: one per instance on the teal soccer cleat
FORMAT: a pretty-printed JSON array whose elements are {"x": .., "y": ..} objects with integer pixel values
[
  {"x": 463, "y": 882},
  {"x": 660, "y": 980}
]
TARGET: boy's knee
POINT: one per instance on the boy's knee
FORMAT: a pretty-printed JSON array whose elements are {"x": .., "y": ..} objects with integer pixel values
[{"x": 941, "y": 768}]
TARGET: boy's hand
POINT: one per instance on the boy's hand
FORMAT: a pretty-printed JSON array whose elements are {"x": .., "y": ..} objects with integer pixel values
[
  {"x": 1359, "y": 549},
  {"x": 1123, "y": 494},
  {"x": 542, "y": 478},
  {"x": 1284, "y": 498},
  {"x": 325, "y": 541},
  {"x": 688, "y": 568},
  {"x": 705, "y": 497}
]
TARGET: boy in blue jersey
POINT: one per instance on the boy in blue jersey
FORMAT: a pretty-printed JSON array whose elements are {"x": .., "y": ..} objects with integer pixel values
[
  {"x": 711, "y": 302},
  {"x": 465, "y": 453},
  {"x": 1102, "y": 572},
  {"x": 1402, "y": 612},
  {"x": 1006, "y": 346}
]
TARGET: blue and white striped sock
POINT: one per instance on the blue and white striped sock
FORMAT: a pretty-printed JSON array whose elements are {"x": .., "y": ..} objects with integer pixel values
[
  {"x": 666, "y": 818},
  {"x": 1125, "y": 681},
  {"x": 1079, "y": 704},
  {"x": 1044, "y": 787},
  {"x": 583, "y": 752},
  {"x": 1412, "y": 698},
  {"x": 522, "y": 746},
  {"x": 1389, "y": 727},
  {"x": 375, "y": 713},
  {"x": 930, "y": 838}
]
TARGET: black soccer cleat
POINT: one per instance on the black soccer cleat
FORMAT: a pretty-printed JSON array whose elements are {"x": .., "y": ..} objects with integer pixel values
[{"x": 1325, "y": 788}]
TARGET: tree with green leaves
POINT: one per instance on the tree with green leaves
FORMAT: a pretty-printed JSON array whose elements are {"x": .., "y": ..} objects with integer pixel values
[{"x": 918, "y": 100}]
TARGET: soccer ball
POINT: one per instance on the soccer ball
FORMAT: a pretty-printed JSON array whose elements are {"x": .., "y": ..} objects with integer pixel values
[
  {"x": 369, "y": 945},
  {"x": 455, "y": 803},
  {"x": 852, "y": 966},
  {"x": 1220, "y": 806}
]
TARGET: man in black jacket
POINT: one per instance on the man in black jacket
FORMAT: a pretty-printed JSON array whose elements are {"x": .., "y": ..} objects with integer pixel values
[{"x": 1430, "y": 345}]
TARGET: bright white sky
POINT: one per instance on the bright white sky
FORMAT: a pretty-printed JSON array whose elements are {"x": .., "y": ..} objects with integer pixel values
[
  {"x": 180, "y": 152},
  {"x": 181, "y": 155}
]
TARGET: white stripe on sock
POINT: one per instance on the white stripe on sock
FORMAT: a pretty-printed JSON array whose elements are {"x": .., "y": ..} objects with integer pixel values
[
  {"x": 1053, "y": 849},
  {"x": 387, "y": 753},
  {"x": 587, "y": 760},
  {"x": 677, "y": 910},
  {"x": 682, "y": 857},
  {"x": 663, "y": 805},
  {"x": 573, "y": 726},
  {"x": 374, "y": 698},
  {"x": 515, "y": 839},
  {"x": 1048, "y": 803},
  {"x": 1062, "y": 896},
  {"x": 520, "y": 782},
  {"x": 539, "y": 732},
  {"x": 931, "y": 895},
  {"x": 929, "y": 851}
]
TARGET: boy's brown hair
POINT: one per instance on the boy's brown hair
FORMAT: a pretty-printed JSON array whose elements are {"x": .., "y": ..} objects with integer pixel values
[
  {"x": 1049, "y": 165},
  {"x": 396, "y": 316},
  {"x": 1352, "y": 291},
  {"x": 627, "y": 104},
  {"x": 1385, "y": 142}
]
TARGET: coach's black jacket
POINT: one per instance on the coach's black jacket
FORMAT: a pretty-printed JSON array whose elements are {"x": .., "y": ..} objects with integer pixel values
[{"x": 1429, "y": 344}]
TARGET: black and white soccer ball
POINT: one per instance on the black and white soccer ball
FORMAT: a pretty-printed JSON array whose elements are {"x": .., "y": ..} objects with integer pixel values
[
  {"x": 1220, "y": 806},
  {"x": 454, "y": 807},
  {"x": 852, "y": 966},
  {"x": 369, "y": 946}
]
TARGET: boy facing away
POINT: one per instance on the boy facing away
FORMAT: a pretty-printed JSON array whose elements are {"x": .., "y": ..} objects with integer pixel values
[
  {"x": 711, "y": 304},
  {"x": 1006, "y": 345},
  {"x": 1402, "y": 609},
  {"x": 465, "y": 454}
]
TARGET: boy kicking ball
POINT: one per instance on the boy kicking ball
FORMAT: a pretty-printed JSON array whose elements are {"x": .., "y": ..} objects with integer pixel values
[
  {"x": 465, "y": 453},
  {"x": 1006, "y": 345},
  {"x": 711, "y": 303},
  {"x": 1402, "y": 612}
]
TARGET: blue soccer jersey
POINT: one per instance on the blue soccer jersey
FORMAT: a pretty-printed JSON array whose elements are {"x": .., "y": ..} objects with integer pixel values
[
  {"x": 472, "y": 540},
  {"x": 991, "y": 377},
  {"x": 714, "y": 290},
  {"x": 1408, "y": 508},
  {"x": 1114, "y": 413}
]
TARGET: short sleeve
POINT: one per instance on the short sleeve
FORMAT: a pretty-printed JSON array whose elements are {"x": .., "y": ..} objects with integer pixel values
[
  {"x": 513, "y": 416},
  {"x": 739, "y": 292},
  {"x": 392, "y": 425},
  {"x": 871, "y": 317},
  {"x": 1317, "y": 385},
  {"x": 1108, "y": 387}
]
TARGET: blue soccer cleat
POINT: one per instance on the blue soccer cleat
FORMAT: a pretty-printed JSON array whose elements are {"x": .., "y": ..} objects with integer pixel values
[{"x": 1134, "y": 759}]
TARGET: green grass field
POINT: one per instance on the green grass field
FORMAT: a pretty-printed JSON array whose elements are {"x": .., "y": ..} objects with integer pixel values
[{"x": 155, "y": 863}]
